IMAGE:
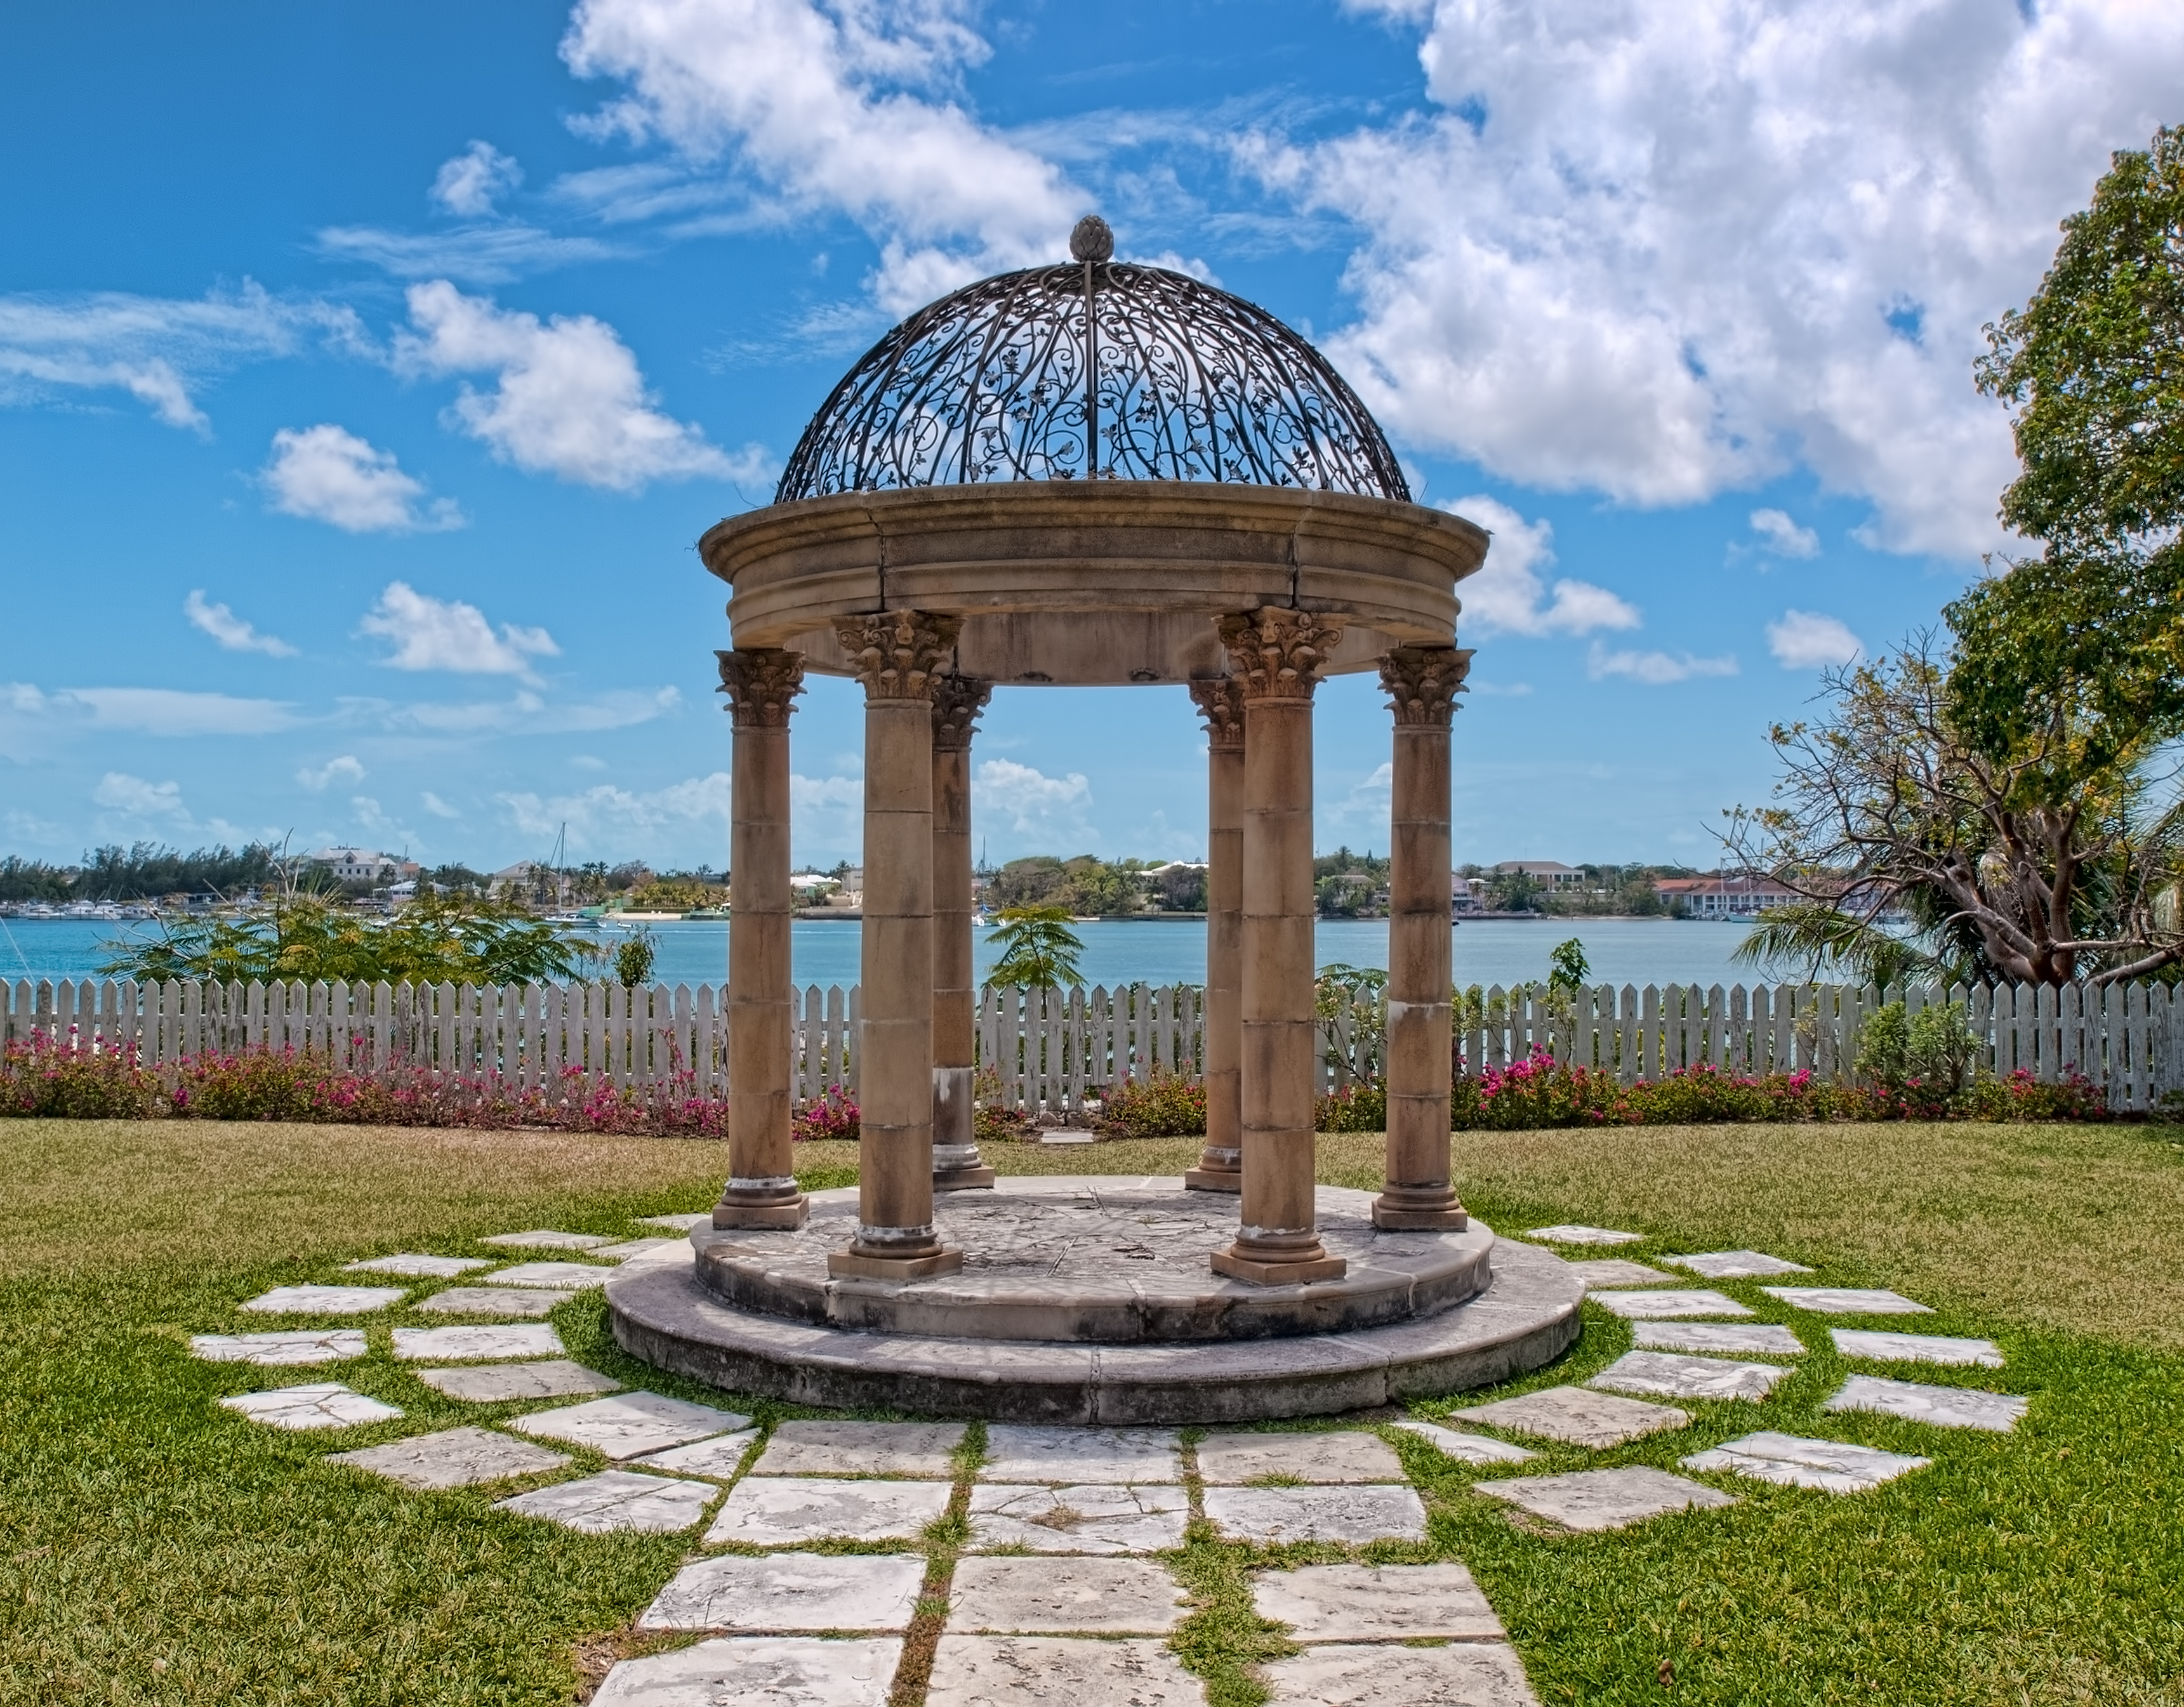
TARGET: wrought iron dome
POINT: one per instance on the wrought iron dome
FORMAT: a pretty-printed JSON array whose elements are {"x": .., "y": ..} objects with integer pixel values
[{"x": 1191, "y": 383}]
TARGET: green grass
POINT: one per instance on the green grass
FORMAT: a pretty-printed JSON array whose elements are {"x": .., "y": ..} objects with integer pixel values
[{"x": 154, "y": 1548}]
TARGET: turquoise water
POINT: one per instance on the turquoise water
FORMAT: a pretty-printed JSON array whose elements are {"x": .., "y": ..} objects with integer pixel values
[{"x": 1497, "y": 951}]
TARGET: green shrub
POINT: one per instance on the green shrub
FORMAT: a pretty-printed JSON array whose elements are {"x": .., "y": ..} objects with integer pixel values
[
  {"x": 1354, "y": 1109},
  {"x": 1165, "y": 1106}
]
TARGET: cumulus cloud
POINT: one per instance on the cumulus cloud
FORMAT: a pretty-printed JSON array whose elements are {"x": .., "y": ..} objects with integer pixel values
[
  {"x": 231, "y": 631},
  {"x": 347, "y": 770},
  {"x": 133, "y": 795},
  {"x": 1804, "y": 640},
  {"x": 847, "y": 106},
  {"x": 1783, "y": 537},
  {"x": 437, "y": 807},
  {"x": 468, "y": 185},
  {"x": 326, "y": 474},
  {"x": 610, "y": 817},
  {"x": 1030, "y": 802},
  {"x": 428, "y": 633},
  {"x": 1658, "y": 248},
  {"x": 1508, "y": 596},
  {"x": 1653, "y": 668},
  {"x": 568, "y": 401}
]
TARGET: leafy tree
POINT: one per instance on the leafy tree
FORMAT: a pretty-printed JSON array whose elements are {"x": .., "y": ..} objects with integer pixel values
[
  {"x": 1362, "y": 992},
  {"x": 1031, "y": 883},
  {"x": 634, "y": 958},
  {"x": 1038, "y": 950},
  {"x": 1570, "y": 968},
  {"x": 1180, "y": 889},
  {"x": 1513, "y": 891}
]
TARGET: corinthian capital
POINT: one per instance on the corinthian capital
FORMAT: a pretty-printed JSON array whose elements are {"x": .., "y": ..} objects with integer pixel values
[
  {"x": 761, "y": 686},
  {"x": 1422, "y": 683},
  {"x": 1275, "y": 653},
  {"x": 1220, "y": 702},
  {"x": 896, "y": 654},
  {"x": 957, "y": 700}
]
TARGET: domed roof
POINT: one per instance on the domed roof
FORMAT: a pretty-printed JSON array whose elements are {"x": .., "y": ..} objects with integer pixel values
[{"x": 1194, "y": 384}]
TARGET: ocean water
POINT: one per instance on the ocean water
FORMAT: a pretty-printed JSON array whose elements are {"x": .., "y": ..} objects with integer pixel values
[{"x": 1495, "y": 951}]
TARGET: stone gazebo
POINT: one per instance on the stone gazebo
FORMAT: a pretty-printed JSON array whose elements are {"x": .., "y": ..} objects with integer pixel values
[{"x": 1215, "y": 511}]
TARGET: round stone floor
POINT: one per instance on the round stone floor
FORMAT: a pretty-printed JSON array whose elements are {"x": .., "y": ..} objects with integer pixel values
[{"x": 1095, "y": 1260}]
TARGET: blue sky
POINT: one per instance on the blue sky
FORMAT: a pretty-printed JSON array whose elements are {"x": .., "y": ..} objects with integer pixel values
[{"x": 368, "y": 373}]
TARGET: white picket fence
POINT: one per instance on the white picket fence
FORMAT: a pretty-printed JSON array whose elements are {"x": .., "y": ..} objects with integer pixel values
[{"x": 1058, "y": 1049}]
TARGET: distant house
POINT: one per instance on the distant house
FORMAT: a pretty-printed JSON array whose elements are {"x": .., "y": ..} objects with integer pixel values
[
  {"x": 1738, "y": 896},
  {"x": 362, "y": 864},
  {"x": 1550, "y": 874}
]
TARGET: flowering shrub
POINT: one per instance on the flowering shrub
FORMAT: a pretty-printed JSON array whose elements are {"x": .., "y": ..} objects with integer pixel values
[
  {"x": 1353, "y": 1108},
  {"x": 69, "y": 1078},
  {"x": 1165, "y": 1106},
  {"x": 833, "y": 1115}
]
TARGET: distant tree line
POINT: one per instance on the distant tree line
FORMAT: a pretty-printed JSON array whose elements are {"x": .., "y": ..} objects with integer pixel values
[
  {"x": 1628, "y": 891},
  {"x": 140, "y": 872}
]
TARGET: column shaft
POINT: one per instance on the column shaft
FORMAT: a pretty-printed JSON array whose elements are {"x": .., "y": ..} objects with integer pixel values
[
  {"x": 956, "y": 1164},
  {"x": 1275, "y": 654},
  {"x": 1220, "y": 1163},
  {"x": 761, "y": 1191},
  {"x": 1422, "y": 681}
]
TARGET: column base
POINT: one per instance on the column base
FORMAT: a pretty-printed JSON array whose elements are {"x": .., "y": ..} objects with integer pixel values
[
  {"x": 852, "y": 1265},
  {"x": 1396, "y": 1218},
  {"x": 963, "y": 1180},
  {"x": 1260, "y": 1273},
  {"x": 792, "y": 1214},
  {"x": 1213, "y": 1179}
]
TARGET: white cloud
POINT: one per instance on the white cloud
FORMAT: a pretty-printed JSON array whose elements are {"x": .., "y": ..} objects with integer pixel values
[
  {"x": 1803, "y": 640},
  {"x": 1653, "y": 668},
  {"x": 468, "y": 185},
  {"x": 477, "y": 255},
  {"x": 171, "y": 711},
  {"x": 377, "y": 823},
  {"x": 231, "y": 631},
  {"x": 607, "y": 817},
  {"x": 133, "y": 795},
  {"x": 153, "y": 348},
  {"x": 1657, "y": 248},
  {"x": 844, "y": 106},
  {"x": 1031, "y": 803},
  {"x": 569, "y": 399},
  {"x": 1361, "y": 814},
  {"x": 524, "y": 713},
  {"x": 826, "y": 817},
  {"x": 326, "y": 474},
  {"x": 347, "y": 770},
  {"x": 1506, "y": 595},
  {"x": 437, "y": 807},
  {"x": 1783, "y": 537},
  {"x": 430, "y": 633}
]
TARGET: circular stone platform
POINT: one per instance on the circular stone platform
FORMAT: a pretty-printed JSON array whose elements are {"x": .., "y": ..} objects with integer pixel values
[
  {"x": 1527, "y": 1315},
  {"x": 1113, "y": 1262}
]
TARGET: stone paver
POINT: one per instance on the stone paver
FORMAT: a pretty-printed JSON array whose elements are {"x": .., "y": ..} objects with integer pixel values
[
  {"x": 1464, "y": 1674},
  {"x": 718, "y": 1458},
  {"x": 1831, "y": 1465},
  {"x": 1584, "y": 1236},
  {"x": 1614, "y": 1271},
  {"x": 561, "y": 1276},
  {"x": 1946, "y": 1407},
  {"x": 1661, "y": 1306},
  {"x": 324, "y": 1300},
  {"x": 1105, "y": 1597},
  {"x": 790, "y": 1590},
  {"x": 758, "y": 1672},
  {"x": 1769, "y": 1339},
  {"x": 1098, "y": 1517},
  {"x": 1839, "y": 1300},
  {"x": 417, "y": 1263},
  {"x": 1468, "y": 1449},
  {"x": 1360, "y": 1514},
  {"x": 634, "y": 1249},
  {"x": 281, "y": 1348},
  {"x": 423, "y": 1344},
  {"x": 630, "y": 1424},
  {"x": 322, "y": 1404},
  {"x": 1377, "y": 1602},
  {"x": 1677, "y": 1375},
  {"x": 787, "y": 1511},
  {"x": 1234, "y": 1459},
  {"x": 1592, "y": 1499},
  {"x": 615, "y": 1499},
  {"x": 681, "y": 1223},
  {"x": 485, "y": 1300},
  {"x": 1735, "y": 1264},
  {"x": 989, "y": 1671},
  {"x": 860, "y": 1449},
  {"x": 546, "y": 1239},
  {"x": 452, "y": 1457},
  {"x": 1572, "y": 1413},
  {"x": 1915, "y": 1348},
  {"x": 1021, "y": 1453},
  {"x": 490, "y": 1382}
]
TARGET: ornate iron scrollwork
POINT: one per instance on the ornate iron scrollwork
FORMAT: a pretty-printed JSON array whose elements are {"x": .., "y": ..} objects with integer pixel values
[{"x": 1190, "y": 383}]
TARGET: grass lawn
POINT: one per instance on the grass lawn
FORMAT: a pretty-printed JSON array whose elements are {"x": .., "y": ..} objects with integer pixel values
[{"x": 154, "y": 1548}]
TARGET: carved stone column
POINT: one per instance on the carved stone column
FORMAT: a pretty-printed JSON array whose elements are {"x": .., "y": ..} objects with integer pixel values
[
  {"x": 957, "y": 700},
  {"x": 1275, "y": 657},
  {"x": 1220, "y": 1163},
  {"x": 1421, "y": 682},
  {"x": 897, "y": 654},
  {"x": 761, "y": 1191}
]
